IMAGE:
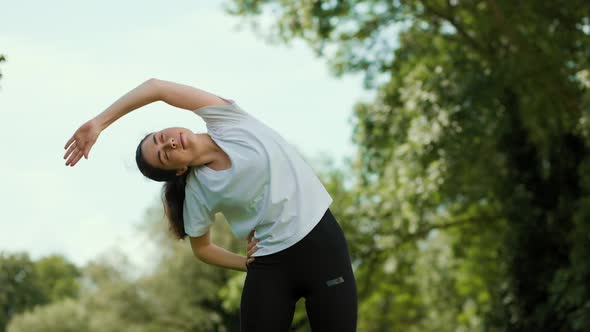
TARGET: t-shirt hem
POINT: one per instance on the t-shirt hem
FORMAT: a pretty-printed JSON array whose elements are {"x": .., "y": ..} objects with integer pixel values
[
  {"x": 192, "y": 233},
  {"x": 293, "y": 239}
]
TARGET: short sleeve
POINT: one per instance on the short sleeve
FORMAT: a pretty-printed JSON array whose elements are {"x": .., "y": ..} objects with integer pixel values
[
  {"x": 221, "y": 115},
  {"x": 197, "y": 219}
]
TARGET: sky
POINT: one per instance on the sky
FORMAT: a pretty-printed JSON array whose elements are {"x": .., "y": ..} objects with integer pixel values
[{"x": 66, "y": 61}]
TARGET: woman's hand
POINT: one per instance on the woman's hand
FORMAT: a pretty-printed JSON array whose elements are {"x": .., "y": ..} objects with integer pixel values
[
  {"x": 251, "y": 248},
  {"x": 81, "y": 142}
]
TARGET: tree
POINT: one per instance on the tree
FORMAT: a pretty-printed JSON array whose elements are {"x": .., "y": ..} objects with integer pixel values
[
  {"x": 59, "y": 277},
  {"x": 478, "y": 136},
  {"x": 20, "y": 286},
  {"x": 64, "y": 316},
  {"x": 180, "y": 294},
  {"x": 26, "y": 284},
  {"x": 2, "y": 59}
]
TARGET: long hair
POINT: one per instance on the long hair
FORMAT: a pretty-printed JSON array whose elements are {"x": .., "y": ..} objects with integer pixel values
[{"x": 172, "y": 191}]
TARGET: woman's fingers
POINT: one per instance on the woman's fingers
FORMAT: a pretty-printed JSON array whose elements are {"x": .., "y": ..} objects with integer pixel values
[
  {"x": 79, "y": 156},
  {"x": 70, "y": 141},
  {"x": 74, "y": 149},
  {"x": 249, "y": 260},
  {"x": 81, "y": 142},
  {"x": 77, "y": 147},
  {"x": 251, "y": 244},
  {"x": 76, "y": 152},
  {"x": 74, "y": 157},
  {"x": 251, "y": 250},
  {"x": 70, "y": 150},
  {"x": 71, "y": 157}
]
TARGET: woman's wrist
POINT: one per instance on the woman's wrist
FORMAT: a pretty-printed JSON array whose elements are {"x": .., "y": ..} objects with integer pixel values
[
  {"x": 242, "y": 263},
  {"x": 102, "y": 120},
  {"x": 215, "y": 255},
  {"x": 245, "y": 264}
]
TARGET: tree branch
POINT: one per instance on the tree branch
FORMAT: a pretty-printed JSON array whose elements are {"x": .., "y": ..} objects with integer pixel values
[
  {"x": 449, "y": 18},
  {"x": 507, "y": 28},
  {"x": 421, "y": 233}
]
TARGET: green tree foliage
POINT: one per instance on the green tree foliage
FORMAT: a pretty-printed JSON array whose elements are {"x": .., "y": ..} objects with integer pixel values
[
  {"x": 476, "y": 144},
  {"x": 20, "y": 288},
  {"x": 183, "y": 292},
  {"x": 58, "y": 276},
  {"x": 179, "y": 294},
  {"x": 64, "y": 316},
  {"x": 2, "y": 59},
  {"x": 25, "y": 284}
]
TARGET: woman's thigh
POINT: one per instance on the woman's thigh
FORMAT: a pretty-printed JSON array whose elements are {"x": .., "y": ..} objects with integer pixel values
[
  {"x": 332, "y": 304},
  {"x": 268, "y": 301},
  {"x": 331, "y": 299}
]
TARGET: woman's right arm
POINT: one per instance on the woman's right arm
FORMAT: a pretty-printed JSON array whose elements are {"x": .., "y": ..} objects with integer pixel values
[
  {"x": 178, "y": 95},
  {"x": 212, "y": 254}
]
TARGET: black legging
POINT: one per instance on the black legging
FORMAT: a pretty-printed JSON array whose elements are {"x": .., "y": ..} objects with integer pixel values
[{"x": 317, "y": 268}]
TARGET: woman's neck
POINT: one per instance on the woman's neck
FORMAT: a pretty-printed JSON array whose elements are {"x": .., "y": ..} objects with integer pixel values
[{"x": 210, "y": 154}]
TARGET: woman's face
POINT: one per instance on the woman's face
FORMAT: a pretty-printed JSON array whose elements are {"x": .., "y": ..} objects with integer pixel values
[{"x": 170, "y": 148}]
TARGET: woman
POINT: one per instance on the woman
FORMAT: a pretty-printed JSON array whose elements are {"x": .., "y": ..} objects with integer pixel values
[{"x": 268, "y": 194}]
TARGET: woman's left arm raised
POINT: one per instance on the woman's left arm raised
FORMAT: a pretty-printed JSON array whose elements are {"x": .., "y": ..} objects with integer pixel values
[{"x": 175, "y": 94}]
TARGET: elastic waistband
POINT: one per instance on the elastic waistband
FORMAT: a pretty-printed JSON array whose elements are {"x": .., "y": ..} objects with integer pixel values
[{"x": 324, "y": 227}]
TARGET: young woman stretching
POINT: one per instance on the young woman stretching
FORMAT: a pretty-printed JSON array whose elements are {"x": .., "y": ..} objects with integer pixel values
[{"x": 265, "y": 190}]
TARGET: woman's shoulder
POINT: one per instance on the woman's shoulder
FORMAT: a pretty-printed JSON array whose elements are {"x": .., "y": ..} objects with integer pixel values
[{"x": 228, "y": 112}]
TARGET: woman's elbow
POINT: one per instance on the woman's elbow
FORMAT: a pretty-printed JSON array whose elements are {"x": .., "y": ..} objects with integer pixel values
[
  {"x": 154, "y": 83},
  {"x": 155, "y": 87},
  {"x": 199, "y": 258},
  {"x": 201, "y": 253},
  {"x": 200, "y": 246}
]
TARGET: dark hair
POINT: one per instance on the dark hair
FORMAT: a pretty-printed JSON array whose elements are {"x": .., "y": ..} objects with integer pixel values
[{"x": 172, "y": 191}]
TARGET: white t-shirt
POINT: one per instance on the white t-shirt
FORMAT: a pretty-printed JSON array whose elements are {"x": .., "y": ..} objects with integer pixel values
[{"x": 269, "y": 188}]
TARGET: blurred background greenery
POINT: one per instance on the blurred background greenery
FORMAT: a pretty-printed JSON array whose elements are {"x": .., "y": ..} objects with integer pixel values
[{"x": 467, "y": 206}]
